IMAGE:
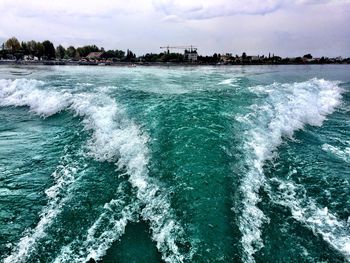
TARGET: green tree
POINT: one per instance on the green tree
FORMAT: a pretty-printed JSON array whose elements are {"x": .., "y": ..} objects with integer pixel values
[
  {"x": 130, "y": 56},
  {"x": 49, "y": 49},
  {"x": 85, "y": 50},
  {"x": 150, "y": 57},
  {"x": 12, "y": 44},
  {"x": 25, "y": 48},
  {"x": 35, "y": 49},
  {"x": 171, "y": 57},
  {"x": 216, "y": 58},
  {"x": 60, "y": 52},
  {"x": 116, "y": 54},
  {"x": 31, "y": 46},
  {"x": 71, "y": 52},
  {"x": 39, "y": 50},
  {"x": 120, "y": 53},
  {"x": 307, "y": 56}
]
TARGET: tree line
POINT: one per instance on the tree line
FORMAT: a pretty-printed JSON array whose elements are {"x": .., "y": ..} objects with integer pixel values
[{"x": 14, "y": 49}]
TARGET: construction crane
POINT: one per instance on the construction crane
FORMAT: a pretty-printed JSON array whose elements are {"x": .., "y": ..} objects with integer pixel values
[{"x": 190, "y": 48}]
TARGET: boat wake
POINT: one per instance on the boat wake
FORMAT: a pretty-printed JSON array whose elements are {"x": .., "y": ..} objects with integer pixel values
[
  {"x": 65, "y": 175},
  {"x": 305, "y": 210},
  {"x": 108, "y": 228},
  {"x": 116, "y": 139},
  {"x": 281, "y": 110}
]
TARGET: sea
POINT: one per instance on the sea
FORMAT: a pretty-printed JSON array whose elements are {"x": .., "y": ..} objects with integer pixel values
[{"x": 175, "y": 164}]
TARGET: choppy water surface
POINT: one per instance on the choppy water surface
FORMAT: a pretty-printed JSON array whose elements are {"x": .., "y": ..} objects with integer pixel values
[{"x": 194, "y": 164}]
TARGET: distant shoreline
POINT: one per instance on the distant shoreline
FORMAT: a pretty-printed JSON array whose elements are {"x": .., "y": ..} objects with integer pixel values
[{"x": 166, "y": 64}]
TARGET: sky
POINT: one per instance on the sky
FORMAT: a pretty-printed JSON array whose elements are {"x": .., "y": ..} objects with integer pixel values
[{"x": 257, "y": 27}]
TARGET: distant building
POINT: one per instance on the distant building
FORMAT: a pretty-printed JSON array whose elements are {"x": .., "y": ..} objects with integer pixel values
[
  {"x": 226, "y": 58},
  {"x": 94, "y": 55},
  {"x": 191, "y": 55},
  {"x": 30, "y": 57},
  {"x": 255, "y": 58},
  {"x": 308, "y": 60}
]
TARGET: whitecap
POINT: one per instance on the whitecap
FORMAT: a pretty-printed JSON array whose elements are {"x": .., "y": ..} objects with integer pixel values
[
  {"x": 343, "y": 154},
  {"x": 108, "y": 228},
  {"x": 118, "y": 139},
  {"x": 64, "y": 176},
  {"x": 23, "y": 92},
  {"x": 115, "y": 138},
  {"x": 230, "y": 82},
  {"x": 284, "y": 109},
  {"x": 305, "y": 210}
]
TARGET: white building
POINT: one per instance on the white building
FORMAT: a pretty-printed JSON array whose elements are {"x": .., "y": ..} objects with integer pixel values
[{"x": 191, "y": 55}]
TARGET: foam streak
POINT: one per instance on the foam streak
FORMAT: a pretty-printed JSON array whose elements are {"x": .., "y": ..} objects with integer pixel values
[
  {"x": 285, "y": 109},
  {"x": 115, "y": 139},
  {"x": 319, "y": 220}
]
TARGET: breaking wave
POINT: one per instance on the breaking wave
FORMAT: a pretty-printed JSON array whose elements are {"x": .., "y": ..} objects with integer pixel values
[
  {"x": 115, "y": 138},
  {"x": 284, "y": 109},
  {"x": 23, "y": 92},
  {"x": 322, "y": 222}
]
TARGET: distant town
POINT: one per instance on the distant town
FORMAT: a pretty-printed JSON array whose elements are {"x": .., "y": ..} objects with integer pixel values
[{"x": 45, "y": 53}]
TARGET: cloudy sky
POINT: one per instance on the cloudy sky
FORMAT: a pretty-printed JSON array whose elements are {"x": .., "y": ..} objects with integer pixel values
[{"x": 283, "y": 27}]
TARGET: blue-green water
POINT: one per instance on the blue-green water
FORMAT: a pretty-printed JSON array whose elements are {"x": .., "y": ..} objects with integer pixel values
[{"x": 180, "y": 164}]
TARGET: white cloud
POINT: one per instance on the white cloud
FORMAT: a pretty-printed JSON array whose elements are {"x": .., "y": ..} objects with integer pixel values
[
  {"x": 69, "y": 7},
  {"x": 319, "y": 2},
  {"x": 172, "y": 18},
  {"x": 284, "y": 27},
  {"x": 205, "y": 9}
]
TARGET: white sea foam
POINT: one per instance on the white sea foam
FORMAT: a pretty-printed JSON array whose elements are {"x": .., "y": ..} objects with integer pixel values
[
  {"x": 64, "y": 177},
  {"x": 108, "y": 228},
  {"x": 23, "y": 92},
  {"x": 230, "y": 82},
  {"x": 84, "y": 84},
  {"x": 115, "y": 138},
  {"x": 343, "y": 154},
  {"x": 322, "y": 222},
  {"x": 285, "y": 108}
]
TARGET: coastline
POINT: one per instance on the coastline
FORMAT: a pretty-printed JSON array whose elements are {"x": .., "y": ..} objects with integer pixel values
[{"x": 166, "y": 64}]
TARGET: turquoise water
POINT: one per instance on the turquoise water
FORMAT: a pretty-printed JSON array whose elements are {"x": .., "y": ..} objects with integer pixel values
[{"x": 179, "y": 164}]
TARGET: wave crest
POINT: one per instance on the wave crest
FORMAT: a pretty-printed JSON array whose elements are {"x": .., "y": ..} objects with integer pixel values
[
  {"x": 115, "y": 138},
  {"x": 281, "y": 110}
]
